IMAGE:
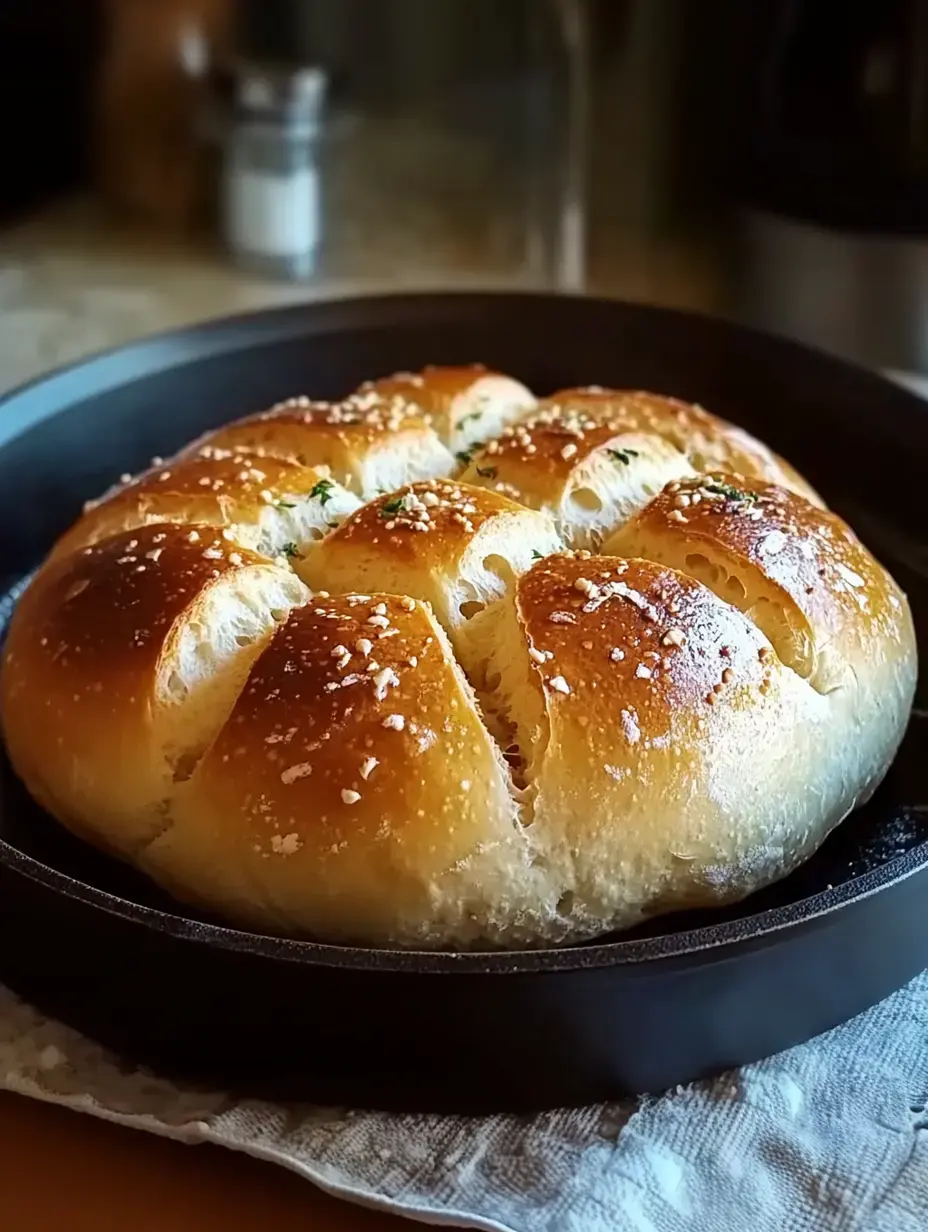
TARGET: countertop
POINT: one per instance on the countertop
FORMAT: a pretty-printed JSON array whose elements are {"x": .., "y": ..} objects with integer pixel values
[
  {"x": 73, "y": 281},
  {"x": 62, "y": 1170}
]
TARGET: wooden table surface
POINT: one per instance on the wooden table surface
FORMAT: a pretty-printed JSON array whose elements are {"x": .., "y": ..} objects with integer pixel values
[{"x": 64, "y": 1170}]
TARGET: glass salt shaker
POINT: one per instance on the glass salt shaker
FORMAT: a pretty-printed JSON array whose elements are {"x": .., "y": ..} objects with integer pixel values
[{"x": 271, "y": 193}]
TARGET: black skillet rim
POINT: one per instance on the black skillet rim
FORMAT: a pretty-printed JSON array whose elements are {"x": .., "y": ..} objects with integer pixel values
[{"x": 290, "y": 321}]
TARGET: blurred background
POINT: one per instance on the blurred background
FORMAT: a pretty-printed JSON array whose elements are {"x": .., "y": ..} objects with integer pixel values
[{"x": 172, "y": 160}]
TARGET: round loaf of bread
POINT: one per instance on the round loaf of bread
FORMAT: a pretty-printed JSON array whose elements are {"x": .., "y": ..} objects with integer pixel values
[{"x": 625, "y": 663}]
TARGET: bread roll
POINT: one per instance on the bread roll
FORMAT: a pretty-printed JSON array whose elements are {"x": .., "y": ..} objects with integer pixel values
[
  {"x": 121, "y": 663},
  {"x": 669, "y": 757},
  {"x": 592, "y": 457},
  {"x": 273, "y": 506},
  {"x": 466, "y": 405},
  {"x": 354, "y": 792},
  {"x": 456, "y": 547},
  {"x": 467, "y": 735},
  {"x": 366, "y": 443},
  {"x": 710, "y": 443},
  {"x": 831, "y": 612}
]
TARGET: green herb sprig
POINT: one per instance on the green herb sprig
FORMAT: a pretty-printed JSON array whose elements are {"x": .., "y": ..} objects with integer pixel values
[
  {"x": 323, "y": 491},
  {"x": 464, "y": 456},
  {"x": 732, "y": 493},
  {"x": 622, "y": 455}
]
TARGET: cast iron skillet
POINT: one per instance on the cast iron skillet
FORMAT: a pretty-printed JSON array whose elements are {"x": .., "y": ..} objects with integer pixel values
[{"x": 94, "y": 944}]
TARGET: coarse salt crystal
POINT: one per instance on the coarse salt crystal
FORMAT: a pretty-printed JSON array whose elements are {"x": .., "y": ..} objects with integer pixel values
[
  {"x": 288, "y": 845},
  {"x": 384, "y": 680},
  {"x": 292, "y": 773}
]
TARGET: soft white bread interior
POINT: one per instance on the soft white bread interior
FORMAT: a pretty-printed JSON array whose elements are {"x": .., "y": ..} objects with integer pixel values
[
  {"x": 465, "y": 405},
  {"x": 367, "y": 444},
  {"x": 456, "y": 547},
  {"x": 354, "y": 798},
  {"x": 464, "y": 734},
  {"x": 273, "y": 506},
  {"x": 122, "y": 662}
]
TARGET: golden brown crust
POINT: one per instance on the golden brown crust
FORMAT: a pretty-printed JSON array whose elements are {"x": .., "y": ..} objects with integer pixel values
[
  {"x": 777, "y": 546},
  {"x": 707, "y": 440},
  {"x": 422, "y": 522},
  {"x": 215, "y": 487},
  {"x": 661, "y": 775},
  {"x": 450, "y": 545},
  {"x": 354, "y": 760},
  {"x": 535, "y": 456},
  {"x": 610, "y": 628},
  {"x": 83, "y": 684},
  {"x": 342, "y": 436},
  {"x": 109, "y": 608},
  {"x": 464, "y": 404},
  {"x": 317, "y": 708},
  {"x": 303, "y": 429},
  {"x": 432, "y": 390},
  {"x": 533, "y": 460}
]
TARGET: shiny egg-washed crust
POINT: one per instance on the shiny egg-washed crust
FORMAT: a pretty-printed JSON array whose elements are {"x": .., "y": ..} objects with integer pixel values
[
  {"x": 466, "y": 735},
  {"x": 372, "y": 781},
  {"x": 800, "y": 571},
  {"x": 366, "y": 443},
  {"x": 252, "y": 498},
  {"x": 536, "y": 459},
  {"x": 709, "y": 442},
  {"x": 90, "y": 716},
  {"x": 465, "y": 404},
  {"x": 456, "y": 547}
]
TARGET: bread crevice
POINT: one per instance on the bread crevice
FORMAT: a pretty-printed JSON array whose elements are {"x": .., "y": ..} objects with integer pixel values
[
  {"x": 772, "y": 613},
  {"x": 510, "y": 699}
]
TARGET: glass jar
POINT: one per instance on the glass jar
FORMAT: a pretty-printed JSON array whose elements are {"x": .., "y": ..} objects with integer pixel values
[
  {"x": 270, "y": 197},
  {"x": 424, "y": 143}
]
